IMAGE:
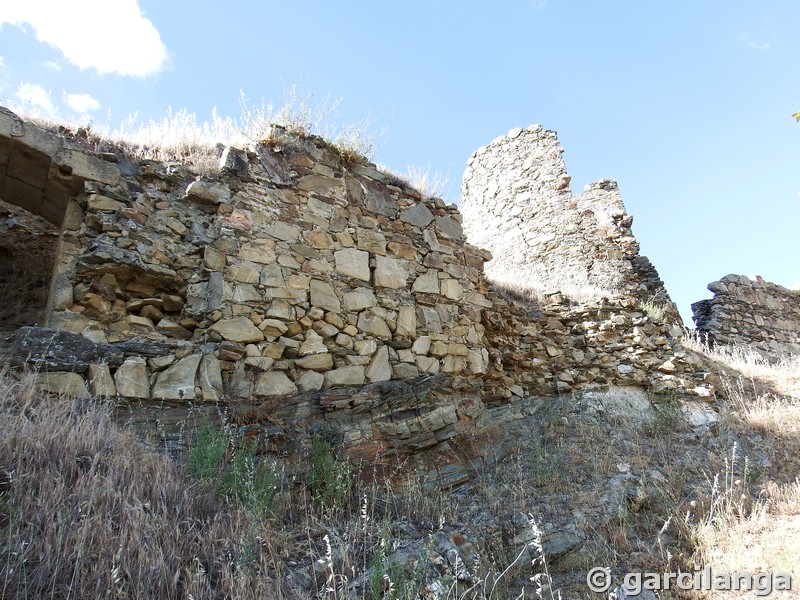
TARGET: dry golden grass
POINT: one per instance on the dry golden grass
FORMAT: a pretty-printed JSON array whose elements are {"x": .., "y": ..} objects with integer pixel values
[
  {"x": 509, "y": 281},
  {"x": 87, "y": 512},
  {"x": 759, "y": 531},
  {"x": 181, "y": 136}
]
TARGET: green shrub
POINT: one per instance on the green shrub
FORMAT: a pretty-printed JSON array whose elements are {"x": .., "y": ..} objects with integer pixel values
[
  {"x": 207, "y": 451},
  {"x": 241, "y": 479},
  {"x": 330, "y": 482}
]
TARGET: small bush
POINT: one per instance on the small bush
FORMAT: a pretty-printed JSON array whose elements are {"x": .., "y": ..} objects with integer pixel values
[
  {"x": 653, "y": 310},
  {"x": 207, "y": 451},
  {"x": 240, "y": 478},
  {"x": 330, "y": 482}
]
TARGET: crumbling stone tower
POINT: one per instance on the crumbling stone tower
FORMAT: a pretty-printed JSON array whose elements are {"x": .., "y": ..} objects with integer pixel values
[{"x": 517, "y": 203}]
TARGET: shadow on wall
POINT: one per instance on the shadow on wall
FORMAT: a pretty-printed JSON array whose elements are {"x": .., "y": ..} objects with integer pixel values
[{"x": 28, "y": 247}]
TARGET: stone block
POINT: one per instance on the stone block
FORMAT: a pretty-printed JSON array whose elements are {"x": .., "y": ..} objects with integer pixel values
[
  {"x": 427, "y": 283},
  {"x": 274, "y": 383},
  {"x": 352, "y": 263},
  {"x": 132, "y": 379},
  {"x": 238, "y": 329},
  {"x": 101, "y": 384},
  {"x": 379, "y": 368},
  {"x": 359, "y": 299},
  {"x": 324, "y": 296},
  {"x": 352, "y": 375},
  {"x": 418, "y": 215},
  {"x": 178, "y": 381},
  {"x": 390, "y": 272},
  {"x": 210, "y": 376},
  {"x": 69, "y": 384}
]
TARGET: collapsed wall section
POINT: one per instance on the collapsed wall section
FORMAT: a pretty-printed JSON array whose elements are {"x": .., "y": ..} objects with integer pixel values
[
  {"x": 517, "y": 203},
  {"x": 750, "y": 312}
]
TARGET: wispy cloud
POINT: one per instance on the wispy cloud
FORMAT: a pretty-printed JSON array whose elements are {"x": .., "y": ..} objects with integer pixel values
[
  {"x": 82, "y": 103},
  {"x": 36, "y": 96},
  {"x": 2, "y": 64},
  {"x": 762, "y": 39},
  {"x": 539, "y": 4},
  {"x": 53, "y": 66},
  {"x": 122, "y": 39},
  {"x": 754, "y": 44}
]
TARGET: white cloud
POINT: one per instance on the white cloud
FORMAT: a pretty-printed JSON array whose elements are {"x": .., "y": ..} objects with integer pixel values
[
  {"x": 753, "y": 44},
  {"x": 36, "y": 96},
  {"x": 111, "y": 36},
  {"x": 82, "y": 103}
]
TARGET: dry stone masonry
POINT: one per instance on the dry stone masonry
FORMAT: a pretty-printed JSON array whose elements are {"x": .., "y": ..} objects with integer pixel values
[
  {"x": 750, "y": 312},
  {"x": 321, "y": 294},
  {"x": 517, "y": 203},
  {"x": 285, "y": 274}
]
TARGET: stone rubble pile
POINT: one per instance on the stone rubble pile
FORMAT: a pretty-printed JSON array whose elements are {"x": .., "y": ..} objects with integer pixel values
[{"x": 560, "y": 349}]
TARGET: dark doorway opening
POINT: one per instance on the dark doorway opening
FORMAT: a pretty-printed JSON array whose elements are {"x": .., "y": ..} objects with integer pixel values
[{"x": 28, "y": 248}]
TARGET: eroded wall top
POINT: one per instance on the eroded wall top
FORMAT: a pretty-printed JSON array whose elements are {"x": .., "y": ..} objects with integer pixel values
[{"x": 516, "y": 202}]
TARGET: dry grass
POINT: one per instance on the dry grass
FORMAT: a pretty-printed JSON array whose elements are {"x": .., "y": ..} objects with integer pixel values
[
  {"x": 755, "y": 526},
  {"x": 781, "y": 372},
  {"x": 510, "y": 282},
  {"x": 181, "y": 136},
  {"x": 429, "y": 183},
  {"x": 88, "y": 512}
]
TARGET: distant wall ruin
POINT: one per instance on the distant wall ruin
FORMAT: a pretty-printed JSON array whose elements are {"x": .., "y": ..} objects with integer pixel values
[{"x": 750, "y": 312}]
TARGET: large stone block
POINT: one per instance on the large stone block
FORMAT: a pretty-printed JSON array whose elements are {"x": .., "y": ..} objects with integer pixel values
[
  {"x": 352, "y": 263},
  {"x": 238, "y": 329},
  {"x": 390, "y": 272},
  {"x": 352, "y": 375},
  {"x": 274, "y": 383},
  {"x": 132, "y": 379},
  {"x": 418, "y": 215},
  {"x": 178, "y": 381},
  {"x": 101, "y": 383},
  {"x": 69, "y": 384},
  {"x": 324, "y": 296},
  {"x": 379, "y": 368}
]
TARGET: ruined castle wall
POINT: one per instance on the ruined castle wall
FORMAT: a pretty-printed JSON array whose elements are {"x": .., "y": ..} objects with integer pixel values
[
  {"x": 750, "y": 312},
  {"x": 287, "y": 273},
  {"x": 517, "y": 203},
  {"x": 321, "y": 291}
]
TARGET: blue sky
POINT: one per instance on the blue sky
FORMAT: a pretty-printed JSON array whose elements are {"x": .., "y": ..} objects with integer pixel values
[{"x": 686, "y": 104}]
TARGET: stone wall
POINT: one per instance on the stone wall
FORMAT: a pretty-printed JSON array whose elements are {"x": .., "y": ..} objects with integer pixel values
[
  {"x": 517, "y": 203},
  {"x": 287, "y": 273},
  {"x": 750, "y": 312},
  {"x": 317, "y": 293}
]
